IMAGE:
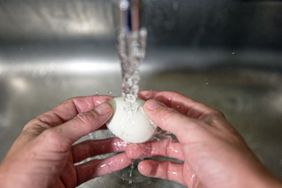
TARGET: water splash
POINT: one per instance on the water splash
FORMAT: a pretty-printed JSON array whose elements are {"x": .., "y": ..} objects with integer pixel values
[
  {"x": 131, "y": 173},
  {"x": 132, "y": 177}
]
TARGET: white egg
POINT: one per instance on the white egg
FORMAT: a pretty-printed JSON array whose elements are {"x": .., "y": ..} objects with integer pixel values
[{"x": 130, "y": 126}]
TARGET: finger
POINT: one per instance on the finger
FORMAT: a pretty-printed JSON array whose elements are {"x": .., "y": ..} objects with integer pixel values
[
  {"x": 165, "y": 148},
  {"x": 147, "y": 94},
  {"x": 65, "y": 177},
  {"x": 182, "y": 127},
  {"x": 179, "y": 102},
  {"x": 92, "y": 148},
  {"x": 189, "y": 107},
  {"x": 70, "y": 108},
  {"x": 164, "y": 170},
  {"x": 65, "y": 135},
  {"x": 104, "y": 127},
  {"x": 97, "y": 168}
]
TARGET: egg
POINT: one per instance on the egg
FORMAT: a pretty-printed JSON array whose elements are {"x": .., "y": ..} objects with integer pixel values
[{"x": 132, "y": 126}]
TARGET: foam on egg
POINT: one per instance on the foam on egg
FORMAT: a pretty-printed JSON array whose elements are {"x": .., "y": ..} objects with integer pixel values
[{"x": 130, "y": 126}]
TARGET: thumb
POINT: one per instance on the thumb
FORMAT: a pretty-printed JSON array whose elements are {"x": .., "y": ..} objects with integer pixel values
[
  {"x": 81, "y": 125},
  {"x": 169, "y": 119}
]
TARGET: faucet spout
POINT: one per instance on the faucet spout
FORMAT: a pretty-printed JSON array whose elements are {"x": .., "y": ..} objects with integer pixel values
[{"x": 129, "y": 15}]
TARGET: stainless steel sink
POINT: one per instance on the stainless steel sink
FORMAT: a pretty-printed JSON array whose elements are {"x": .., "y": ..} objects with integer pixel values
[{"x": 41, "y": 67}]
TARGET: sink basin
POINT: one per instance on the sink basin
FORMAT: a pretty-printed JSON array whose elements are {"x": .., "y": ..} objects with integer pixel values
[
  {"x": 248, "y": 92},
  {"x": 228, "y": 56}
]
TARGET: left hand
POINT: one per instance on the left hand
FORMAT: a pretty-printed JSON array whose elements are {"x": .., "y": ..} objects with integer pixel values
[
  {"x": 44, "y": 155},
  {"x": 209, "y": 151}
]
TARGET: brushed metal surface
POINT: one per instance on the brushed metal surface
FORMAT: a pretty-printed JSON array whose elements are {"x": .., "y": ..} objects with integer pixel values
[
  {"x": 248, "y": 92},
  {"x": 201, "y": 24},
  {"x": 226, "y": 54}
]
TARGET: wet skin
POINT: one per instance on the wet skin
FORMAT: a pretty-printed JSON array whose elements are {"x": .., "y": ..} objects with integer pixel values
[
  {"x": 44, "y": 155},
  {"x": 210, "y": 151}
]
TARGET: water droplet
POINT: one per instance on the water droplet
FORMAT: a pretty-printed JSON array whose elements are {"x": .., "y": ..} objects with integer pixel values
[
  {"x": 130, "y": 181},
  {"x": 195, "y": 181},
  {"x": 91, "y": 136},
  {"x": 174, "y": 173},
  {"x": 103, "y": 165}
]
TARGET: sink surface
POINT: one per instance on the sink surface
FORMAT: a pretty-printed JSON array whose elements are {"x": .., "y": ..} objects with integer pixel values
[
  {"x": 226, "y": 54},
  {"x": 249, "y": 93}
]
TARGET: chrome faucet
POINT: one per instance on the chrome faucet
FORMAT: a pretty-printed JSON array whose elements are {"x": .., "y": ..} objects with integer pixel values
[{"x": 129, "y": 15}]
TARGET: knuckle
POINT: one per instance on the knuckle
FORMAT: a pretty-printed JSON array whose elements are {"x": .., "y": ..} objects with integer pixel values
[
  {"x": 167, "y": 114},
  {"x": 29, "y": 125},
  {"x": 221, "y": 114},
  {"x": 34, "y": 128},
  {"x": 67, "y": 101},
  {"x": 167, "y": 146},
  {"x": 87, "y": 118},
  {"x": 52, "y": 135},
  {"x": 71, "y": 99},
  {"x": 172, "y": 93},
  {"x": 54, "y": 138},
  {"x": 217, "y": 114},
  {"x": 213, "y": 117}
]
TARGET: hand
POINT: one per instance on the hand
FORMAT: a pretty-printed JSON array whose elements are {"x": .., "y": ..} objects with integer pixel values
[
  {"x": 213, "y": 154},
  {"x": 44, "y": 155}
]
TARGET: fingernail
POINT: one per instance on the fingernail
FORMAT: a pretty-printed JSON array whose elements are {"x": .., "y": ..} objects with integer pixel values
[
  {"x": 148, "y": 168},
  {"x": 104, "y": 109},
  {"x": 145, "y": 94},
  {"x": 152, "y": 105}
]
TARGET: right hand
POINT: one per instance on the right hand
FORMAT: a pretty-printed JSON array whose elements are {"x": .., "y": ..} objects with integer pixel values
[
  {"x": 44, "y": 155},
  {"x": 213, "y": 153}
]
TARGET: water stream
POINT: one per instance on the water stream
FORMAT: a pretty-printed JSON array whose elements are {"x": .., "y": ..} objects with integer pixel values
[{"x": 131, "y": 50}]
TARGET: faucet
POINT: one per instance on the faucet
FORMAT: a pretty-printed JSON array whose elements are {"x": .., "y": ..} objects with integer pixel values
[
  {"x": 131, "y": 36},
  {"x": 129, "y": 12}
]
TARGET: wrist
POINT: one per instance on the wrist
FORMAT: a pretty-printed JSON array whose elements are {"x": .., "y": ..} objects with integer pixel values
[
  {"x": 2, "y": 177},
  {"x": 8, "y": 180},
  {"x": 272, "y": 182},
  {"x": 266, "y": 181}
]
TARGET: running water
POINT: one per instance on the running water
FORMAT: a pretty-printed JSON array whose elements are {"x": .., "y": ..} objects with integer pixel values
[{"x": 131, "y": 50}]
